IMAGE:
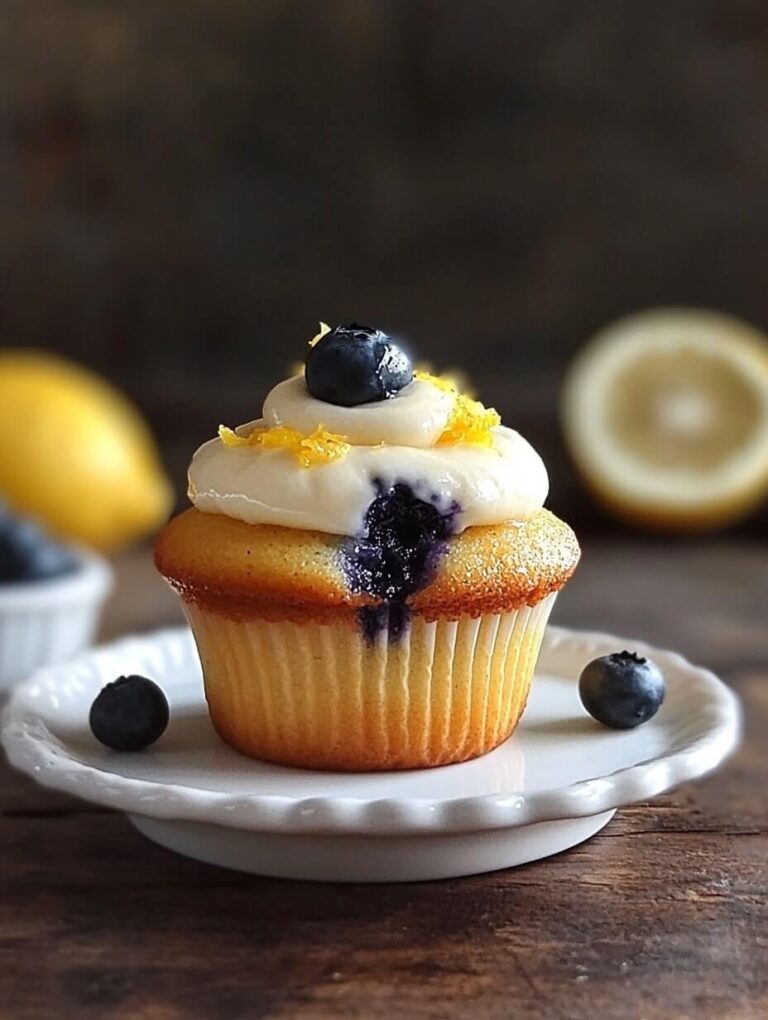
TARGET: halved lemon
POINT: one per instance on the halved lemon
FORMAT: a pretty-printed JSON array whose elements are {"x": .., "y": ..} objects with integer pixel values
[{"x": 666, "y": 416}]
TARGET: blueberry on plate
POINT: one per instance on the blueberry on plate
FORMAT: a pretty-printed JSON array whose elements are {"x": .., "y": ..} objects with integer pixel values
[
  {"x": 27, "y": 554},
  {"x": 622, "y": 690},
  {"x": 354, "y": 365},
  {"x": 129, "y": 714}
]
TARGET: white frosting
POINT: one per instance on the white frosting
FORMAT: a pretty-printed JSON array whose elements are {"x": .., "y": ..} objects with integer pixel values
[
  {"x": 506, "y": 481},
  {"x": 415, "y": 417}
]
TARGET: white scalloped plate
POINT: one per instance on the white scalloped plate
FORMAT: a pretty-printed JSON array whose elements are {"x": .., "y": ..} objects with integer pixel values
[{"x": 554, "y": 783}]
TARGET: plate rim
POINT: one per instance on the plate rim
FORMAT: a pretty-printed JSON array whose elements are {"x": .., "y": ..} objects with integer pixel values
[{"x": 33, "y": 749}]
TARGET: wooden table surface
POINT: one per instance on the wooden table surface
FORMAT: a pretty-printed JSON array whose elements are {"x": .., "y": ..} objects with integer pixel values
[{"x": 663, "y": 914}]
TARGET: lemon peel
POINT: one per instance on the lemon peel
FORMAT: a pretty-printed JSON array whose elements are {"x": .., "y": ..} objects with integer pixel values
[
  {"x": 449, "y": 379},
  {"x": 470, "y": 423},
  {"x": 316, "y": 448},
  {"x": 84, "y": 462},
  {"x": 324, "y": 328},
  {"x": 443, "y": 382}
]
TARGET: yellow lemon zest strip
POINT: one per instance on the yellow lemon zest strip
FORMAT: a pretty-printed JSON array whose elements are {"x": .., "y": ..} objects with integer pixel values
[
  {"x": 324, "y": 328},
  {"x": 448, "y": 380},
  {"x": 230, "y": 438},
  {"x": 319, "y": 447},
  {"x": 442, "y": 382},
  {"x": 470, "y": 423}
]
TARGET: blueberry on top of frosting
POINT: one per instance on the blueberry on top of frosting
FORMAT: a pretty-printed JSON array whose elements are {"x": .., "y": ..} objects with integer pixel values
[{"x": 351, "y": 365}]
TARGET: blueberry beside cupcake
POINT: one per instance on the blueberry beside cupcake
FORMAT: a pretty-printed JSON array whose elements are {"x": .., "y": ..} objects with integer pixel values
[{"x": 367, "y": 568}]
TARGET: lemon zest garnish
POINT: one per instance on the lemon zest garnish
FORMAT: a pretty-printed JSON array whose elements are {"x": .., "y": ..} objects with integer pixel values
[
  {"x": 319, "y": 447},
  {"x": 449, "y": 378},
  {"x": 470, "y": 422},
  {"x": 443, "y": 382},
  {"x": 324, "y": 328},
  {"x": 230, "y": 438}
]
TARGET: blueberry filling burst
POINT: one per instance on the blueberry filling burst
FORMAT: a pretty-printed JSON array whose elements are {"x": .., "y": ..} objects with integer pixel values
[
  {"x": 355, "y": 364},
  {"x": 397, "y": 554}
]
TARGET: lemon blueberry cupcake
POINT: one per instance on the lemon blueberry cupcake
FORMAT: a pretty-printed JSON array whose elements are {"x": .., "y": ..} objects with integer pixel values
[{"x": 367, "y": 568}]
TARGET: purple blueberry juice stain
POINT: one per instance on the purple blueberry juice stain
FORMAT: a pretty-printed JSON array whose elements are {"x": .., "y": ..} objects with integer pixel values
[
  {"x": 397, "y": 554},
  {"x": 390, "y": 617}
]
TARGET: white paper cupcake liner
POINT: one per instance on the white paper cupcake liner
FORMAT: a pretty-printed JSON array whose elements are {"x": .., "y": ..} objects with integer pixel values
[{"x": 322, "y": 696}]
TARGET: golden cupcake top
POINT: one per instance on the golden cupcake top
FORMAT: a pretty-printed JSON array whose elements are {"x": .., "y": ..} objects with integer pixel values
[{"x": 236, "y": 569}]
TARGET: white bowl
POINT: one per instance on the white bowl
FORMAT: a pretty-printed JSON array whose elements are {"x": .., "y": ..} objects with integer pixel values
[{"x": 43, "y": 622}]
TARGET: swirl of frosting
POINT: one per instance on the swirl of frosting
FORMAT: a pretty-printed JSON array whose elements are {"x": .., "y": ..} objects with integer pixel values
[
  {"x": 416, "y": 417},
  {"x": 390, "y": 442}
]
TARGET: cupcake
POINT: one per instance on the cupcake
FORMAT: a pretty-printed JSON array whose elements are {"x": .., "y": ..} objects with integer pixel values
[{"x": 368, "y": 568}]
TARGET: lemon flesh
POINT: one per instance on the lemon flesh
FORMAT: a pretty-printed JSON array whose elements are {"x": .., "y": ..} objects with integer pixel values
[{"x": 666, "y": 415}]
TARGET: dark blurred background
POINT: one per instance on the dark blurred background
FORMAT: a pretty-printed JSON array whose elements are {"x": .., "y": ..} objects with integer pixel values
[{"x": 187, "y": 187}]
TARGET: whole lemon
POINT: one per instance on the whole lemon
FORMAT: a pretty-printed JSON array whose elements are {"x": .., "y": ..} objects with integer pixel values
[{"x": 76, "y": 454}]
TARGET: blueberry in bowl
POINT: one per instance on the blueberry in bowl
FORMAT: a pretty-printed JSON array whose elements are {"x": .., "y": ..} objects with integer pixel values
[
  {"x": 28, "y": 554},
  {"x": 50, "y": 597}
]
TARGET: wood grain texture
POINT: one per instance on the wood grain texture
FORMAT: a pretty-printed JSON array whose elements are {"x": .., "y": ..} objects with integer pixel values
[{"x": 663, "y": 915}]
